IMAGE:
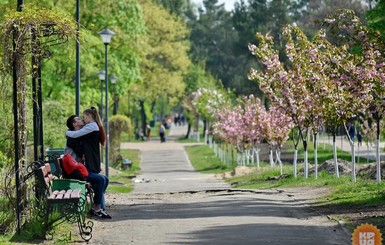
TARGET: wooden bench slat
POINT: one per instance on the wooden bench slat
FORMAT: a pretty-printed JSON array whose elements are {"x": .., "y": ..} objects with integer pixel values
[
  {"x": 67, "y": 195},
  {"x": 46, "y": 169},
  {"x": 76, "y": 193},
  {"x": 52, "y": 196},
  {"x": 60, "y": 195}
]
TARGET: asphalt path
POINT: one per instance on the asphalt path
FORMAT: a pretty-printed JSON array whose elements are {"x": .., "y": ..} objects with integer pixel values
[{"x": 173, "y": 204}]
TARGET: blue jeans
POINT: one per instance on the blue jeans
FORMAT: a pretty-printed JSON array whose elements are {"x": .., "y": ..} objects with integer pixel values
[
  {"x": 103, "y": 203},
  {"x": 99, "y": 184}
]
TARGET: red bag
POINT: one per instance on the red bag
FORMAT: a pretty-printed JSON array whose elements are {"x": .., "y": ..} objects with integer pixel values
[{"x": 73, "y": 168}]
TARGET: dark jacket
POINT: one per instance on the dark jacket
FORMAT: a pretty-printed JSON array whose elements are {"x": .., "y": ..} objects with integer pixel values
[
  {"x": 87, "y": 144},
  {"x": 91, "y": 151}
]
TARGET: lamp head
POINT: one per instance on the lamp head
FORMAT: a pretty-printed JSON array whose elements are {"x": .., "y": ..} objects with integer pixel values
[
  {"x": 102, "y": 75},
  {"x": 113, "y": 79},
  {"x": 106, "y": 35}
]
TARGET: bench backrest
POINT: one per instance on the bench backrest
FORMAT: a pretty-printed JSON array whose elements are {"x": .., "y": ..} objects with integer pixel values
[
  {"x": 44, "y": 175},
  {"x": 58, "y": 189},
  {"x": 52, "y": 160}
]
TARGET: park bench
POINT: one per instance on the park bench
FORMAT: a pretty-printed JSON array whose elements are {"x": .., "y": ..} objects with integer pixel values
[
  {"x": 56, "y": 164},
  {"x": 89, "y": 192},
  {"x": 61, "y": 200}
]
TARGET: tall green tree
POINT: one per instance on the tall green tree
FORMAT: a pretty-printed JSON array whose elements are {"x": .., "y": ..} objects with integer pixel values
[
  {"x": 124, "y": 18},
  {"x": 212, "y": 37},
  {"x": 196, "y": 78},
  {"x": 375, "y": 16},
  {"x": 183, "y": 8},
  {"x": 58, "y": 67},
  {"x": 164, "y": 58},
  {"x": 309, "y": 11}
]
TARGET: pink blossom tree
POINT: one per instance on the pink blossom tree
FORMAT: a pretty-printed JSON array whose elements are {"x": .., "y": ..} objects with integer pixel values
[
  {"x": 276, "y": 127},
  {"x": 253, "y": 114},
  {"x": 367, "y": 73},
  {"x": 287, "y": 86},
  {"x": 334, "y": 82},
  {"x": 228, "y": 127},
  {"x": 207, "y": 102}
]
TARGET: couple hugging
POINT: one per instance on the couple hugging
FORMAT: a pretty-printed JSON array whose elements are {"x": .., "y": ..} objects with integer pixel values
[{"x": 82, "y": 149}]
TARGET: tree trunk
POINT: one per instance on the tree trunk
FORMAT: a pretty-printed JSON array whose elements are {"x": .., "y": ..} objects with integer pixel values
[
  {"x": 271, "y": 158},
  {"x": 153, "y": 106},
  {"x": 337, "y": 171},
  {"x": 378, "y": 157},
  {"x": 315, "y": 156},
  {"x": 278, "y": 155},
  {"x": 295, "y": 142},
  {"x": 257, "y": 150},
  {"x": 353, "y": 161},
  {"x": 205, "y": 122},
  {"x": 143, "y": 115},
  {"x": 351, "y": 143},
  {"x": 188, "y": 130},
  {"x": 295, "y": 162},
  {"x": 306, "y": 162}
]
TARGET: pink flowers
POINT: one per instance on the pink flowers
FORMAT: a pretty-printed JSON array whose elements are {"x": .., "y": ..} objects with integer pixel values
[{"x": 248, "y": 122}]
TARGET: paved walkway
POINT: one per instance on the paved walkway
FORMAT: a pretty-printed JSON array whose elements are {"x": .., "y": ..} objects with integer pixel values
[{"x": 173, "y": 204}]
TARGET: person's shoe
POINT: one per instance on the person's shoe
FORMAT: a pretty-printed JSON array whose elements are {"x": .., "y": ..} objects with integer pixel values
[
  {"x": 93, "y": 214},
  {"x": 103, "y": 214}
]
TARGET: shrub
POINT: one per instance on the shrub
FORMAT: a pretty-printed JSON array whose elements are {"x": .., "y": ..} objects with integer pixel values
[{"x": 117, "y": 125}]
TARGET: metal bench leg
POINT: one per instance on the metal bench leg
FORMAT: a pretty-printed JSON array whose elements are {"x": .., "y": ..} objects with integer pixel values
[{"x": 85, "y": 229}]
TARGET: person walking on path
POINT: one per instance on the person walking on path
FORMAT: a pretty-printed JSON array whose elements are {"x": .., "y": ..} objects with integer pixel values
[
  {"x": 148, "y": 131},
  {"x": 162, "y": 132}
]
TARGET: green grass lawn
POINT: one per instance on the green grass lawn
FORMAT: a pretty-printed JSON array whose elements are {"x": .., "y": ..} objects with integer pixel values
[
  {"x": 204, "y": 160},
  {"x": 122, "y": 183}
]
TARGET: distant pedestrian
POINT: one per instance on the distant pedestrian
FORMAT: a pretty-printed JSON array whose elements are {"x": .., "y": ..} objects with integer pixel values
[
  {"x": 359, "y": 138},
  {"x": 162, "y": 131},
  {"x": 148, "y": 131},
  {"x": 351, "y": 131}
]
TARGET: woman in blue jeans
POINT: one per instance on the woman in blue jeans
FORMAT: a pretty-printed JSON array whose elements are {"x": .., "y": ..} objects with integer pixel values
[
  {"x": 89, "y": 137},
  {"x": 99, "y": 184}
]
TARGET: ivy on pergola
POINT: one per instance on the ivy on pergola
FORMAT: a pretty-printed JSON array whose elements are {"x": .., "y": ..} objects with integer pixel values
[
  {"x": 33, "y": 31},
  {"x": 25, "y": 38}
]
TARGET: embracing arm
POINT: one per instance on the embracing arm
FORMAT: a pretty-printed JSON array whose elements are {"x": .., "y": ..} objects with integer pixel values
[{"x": 88, "y": 128}]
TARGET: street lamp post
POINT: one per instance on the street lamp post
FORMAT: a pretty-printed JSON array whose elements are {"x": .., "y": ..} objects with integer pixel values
[
  {"x": 77, "y": 77},
  {"x": 106, "y": 35},
  {"x": 102, "y": 77},
  {"x": 113, "y": 79}
]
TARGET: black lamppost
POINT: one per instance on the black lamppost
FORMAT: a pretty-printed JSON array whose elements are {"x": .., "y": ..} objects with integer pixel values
[
  {"x": 20, "y": 5},
  {"x": 77, "y": 82},
  {"x": 113, "y": 79},
  {"x": 106, "y": 35},
  {"x": 102, "y": 77}
]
